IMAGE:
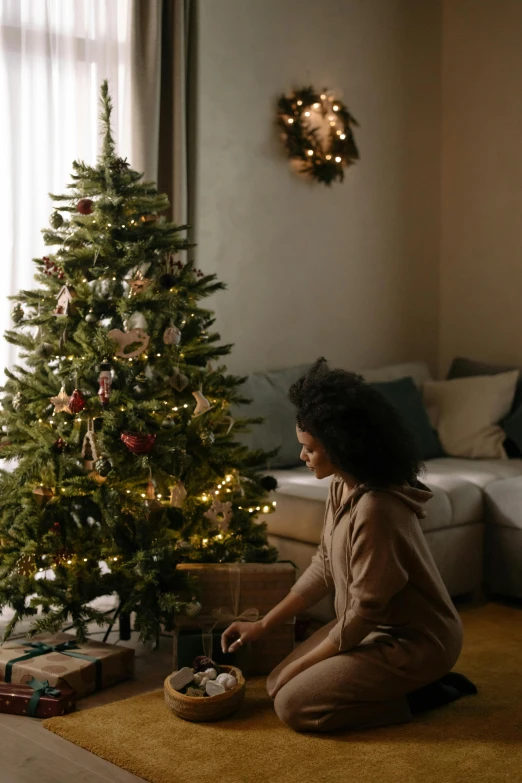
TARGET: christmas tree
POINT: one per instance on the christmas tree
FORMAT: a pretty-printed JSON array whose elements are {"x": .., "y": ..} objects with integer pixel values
[{"x": 119, "y": 423}]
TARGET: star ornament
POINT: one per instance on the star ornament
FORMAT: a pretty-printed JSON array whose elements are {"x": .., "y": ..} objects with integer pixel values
[
  {"x": 138, "y": 283},
  {"x": 61, "y": 402}
]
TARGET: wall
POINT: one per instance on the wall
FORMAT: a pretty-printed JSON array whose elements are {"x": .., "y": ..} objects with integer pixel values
[
  {"x": 481, "y": 264},
  {"x": 350, "y": 272}
]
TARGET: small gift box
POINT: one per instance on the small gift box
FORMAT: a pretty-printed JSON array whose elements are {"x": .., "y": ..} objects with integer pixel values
[
  {"x": 37, "y": 699},
  {"x": 242, "y": 592},
  {"x": 65, "y": 663}
]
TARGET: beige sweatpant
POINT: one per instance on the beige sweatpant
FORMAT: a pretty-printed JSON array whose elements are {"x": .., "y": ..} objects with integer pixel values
[{"x": 362, "y": 688}]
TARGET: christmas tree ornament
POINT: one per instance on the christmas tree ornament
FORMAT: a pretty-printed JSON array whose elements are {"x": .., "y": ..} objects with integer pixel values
[
  {"x": 17, "y": 401},
  {"x": 26, "y": 565},
  {"x": 203, "y": 404},
  {"x": 178, "y": 493},
  {"x": 64, "y": 305},
  {"x": 52, "y": 269},
  {"x": 193, "y": 608},
  {"x": 84, "y": 206},
  {"x": 168, "y": 423},
  {"x": 207, "y": 437},
  {"x": 138, "y": 443},
  {"x": 138, "y": 283},
  {"x": 135, "y": 321},
  {"x": 42, "y": 495},
  {"x": 230, "y": 421},
  {"x": 150, "y": 492},
  {"x": 59, "y": 445},
  {"x": 199, "y": 273},
  {"x": 91, "y": 318},
  {"x": 179, "y": 381},
  {"x": 56, "y": 220},
  {"x": 89, "y": 447},
  {"x": 103, "y": 466},
  {"x": 105, "y": 381},
  {"x": 126, "y": 339},
  {"x": 172, "y": 336},
  {"x": 17, "y": 313},
  {"x": 167, "y": 281},
  {"x": 61, "y": 402},
  {"x": 97, "y": 477},
  {"x": 154, "y": 508},
  {"x": 76, "y": 402},
  {"x": 214, "y": 688},
  {"x": 148, "y": 218},
  {"x": 220, "y": 514}
]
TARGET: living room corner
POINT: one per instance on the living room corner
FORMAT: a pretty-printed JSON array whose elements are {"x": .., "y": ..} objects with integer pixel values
[{"x": 297, "y": 205}]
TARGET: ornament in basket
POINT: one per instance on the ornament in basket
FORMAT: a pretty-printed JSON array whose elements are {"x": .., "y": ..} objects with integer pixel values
[{"x": 215, "y": 705}]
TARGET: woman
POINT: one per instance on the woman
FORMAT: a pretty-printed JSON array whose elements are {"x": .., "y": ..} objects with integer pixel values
[{"x": 396, "y": 636}]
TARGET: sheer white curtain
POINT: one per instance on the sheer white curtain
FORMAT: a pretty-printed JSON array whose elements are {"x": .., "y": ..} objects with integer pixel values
[{"x": 54, "y": 54}]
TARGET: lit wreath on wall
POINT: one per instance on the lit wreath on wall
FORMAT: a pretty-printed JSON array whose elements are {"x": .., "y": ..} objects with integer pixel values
[{"x": 317, "y": 130}]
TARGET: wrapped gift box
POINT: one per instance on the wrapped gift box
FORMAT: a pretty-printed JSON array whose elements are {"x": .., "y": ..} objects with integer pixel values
[
  {"x": 21, "y": 700},
  {"x": 242, "y": 591},
  {"x": 83, "y": 667}
]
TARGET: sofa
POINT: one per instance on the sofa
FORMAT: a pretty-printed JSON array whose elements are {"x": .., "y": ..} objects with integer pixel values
[{"x": 474, "y": 521}]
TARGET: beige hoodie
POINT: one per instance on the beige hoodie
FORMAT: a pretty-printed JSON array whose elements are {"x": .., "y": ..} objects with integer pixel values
[{"x": 374, "y": 556}]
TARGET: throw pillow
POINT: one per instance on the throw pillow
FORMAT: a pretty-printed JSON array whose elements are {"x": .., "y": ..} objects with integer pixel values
[
  {"x": 462, "y": 367},
  {"x": 406, "y": 398},
  {"x": 466, "y": 413}
]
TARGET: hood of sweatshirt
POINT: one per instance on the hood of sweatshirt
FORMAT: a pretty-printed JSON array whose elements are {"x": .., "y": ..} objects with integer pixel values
[{"x": 415, "y": 497}]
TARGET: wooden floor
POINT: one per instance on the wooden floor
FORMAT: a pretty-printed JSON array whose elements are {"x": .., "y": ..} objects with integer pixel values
[{"x": 31, "y": 754}]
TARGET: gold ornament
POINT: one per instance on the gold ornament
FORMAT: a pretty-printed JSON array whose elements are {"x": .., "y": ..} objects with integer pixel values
[
  {"x": 61, "y": 401},
  {"x": 42, "y": 495},
  {"x": 26, "y": 565},
  {"x": 151, "y": 491},
  {"x": 203, "y": 404},
  {"x": 138, "y": 283},
  {"x": 178, "y": 493}
]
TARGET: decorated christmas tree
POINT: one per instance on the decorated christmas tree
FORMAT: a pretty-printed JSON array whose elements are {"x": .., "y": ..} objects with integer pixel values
[{"x": 117, "y": 428}]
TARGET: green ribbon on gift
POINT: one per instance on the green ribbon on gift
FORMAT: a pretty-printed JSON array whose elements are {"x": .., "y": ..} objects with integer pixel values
[
  {"x": 40, "y": 689},
  {"x": 41, "y": 648}
]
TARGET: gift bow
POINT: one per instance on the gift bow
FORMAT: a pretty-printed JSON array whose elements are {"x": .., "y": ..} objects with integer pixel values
[
  {"x": 40, "y": 689},
  {"x": 66, "y": 648}
]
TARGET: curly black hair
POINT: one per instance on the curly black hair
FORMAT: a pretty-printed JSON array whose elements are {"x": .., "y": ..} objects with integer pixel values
[{"x": 361, "y": 432}]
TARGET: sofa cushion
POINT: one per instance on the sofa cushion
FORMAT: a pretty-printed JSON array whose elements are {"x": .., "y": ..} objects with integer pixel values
[
  {"x": 465, "y": 368},
  {"x": 504, "y": 502},
  {"x": 301, "y": 500},
  {"x": 269, "y": 394},
  {"x": 466, "y": 412},
  {"x": 406, "y": 398},
  {"x": 473, "y": 471},
  {"x": 419, "y": 371}
]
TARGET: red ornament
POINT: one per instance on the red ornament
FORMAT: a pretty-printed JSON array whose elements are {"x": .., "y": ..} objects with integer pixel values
[
  {"x": 138, "y": 443},
  {"x": 105, "y": 381},
  {"x": 76, "y": 401},
  {"x": 56, "y": 528},
  {"x": 59, "y": 445},
  {"x": 84, "y": 206}
]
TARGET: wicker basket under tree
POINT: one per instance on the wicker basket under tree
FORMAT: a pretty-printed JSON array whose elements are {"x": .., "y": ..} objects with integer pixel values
[{"x": 202, "y": 708}]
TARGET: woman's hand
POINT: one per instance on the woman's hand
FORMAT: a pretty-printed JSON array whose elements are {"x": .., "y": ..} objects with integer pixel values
[
  {"x": 238, "y": 633},
  {"x": 287, "y": 674}
]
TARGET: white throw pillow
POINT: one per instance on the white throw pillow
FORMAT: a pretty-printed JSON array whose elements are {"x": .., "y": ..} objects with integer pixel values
[{"x": 466, "y": 411}]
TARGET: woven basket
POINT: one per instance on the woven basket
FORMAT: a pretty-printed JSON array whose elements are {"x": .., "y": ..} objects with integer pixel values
[{"x": 207, "y": 708}]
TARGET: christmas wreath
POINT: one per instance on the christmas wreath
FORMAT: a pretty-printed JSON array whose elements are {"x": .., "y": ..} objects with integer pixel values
[{"x": 317, "y": 131}]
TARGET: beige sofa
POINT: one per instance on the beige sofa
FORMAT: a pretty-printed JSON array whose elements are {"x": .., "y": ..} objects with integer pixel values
[{"x": 473, "y": 525}]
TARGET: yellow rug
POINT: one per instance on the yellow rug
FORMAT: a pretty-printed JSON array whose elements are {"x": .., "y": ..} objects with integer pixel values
[{"x": 476, "y": 737}]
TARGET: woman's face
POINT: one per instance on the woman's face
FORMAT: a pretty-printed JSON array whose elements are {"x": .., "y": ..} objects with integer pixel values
[{"x": 313, "y": 453}]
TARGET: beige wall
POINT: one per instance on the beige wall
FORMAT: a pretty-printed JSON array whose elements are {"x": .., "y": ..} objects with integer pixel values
[
  {"x": 351, "y": 272},
  {"x": 481, "y": 252}
]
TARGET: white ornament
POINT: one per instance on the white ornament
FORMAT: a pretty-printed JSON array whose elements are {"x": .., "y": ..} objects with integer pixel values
[
  {"x": 203, "y": 404},
  {"x": 220, "y": 514},
  {"x": 198, "y": 677},
  {"x": 183, "y": 677},
  {"x": 214, "y": 688},
  {"x": 135, "y": 321},
  {"x": 211, "y": 674},
  {"x": 125, "y": 339},
  {"x": 172, "y": 335},
  {"x": 204, "y": 680},
  {"x": 231, "y": 682},
  {"x": 178, "y": 493}
]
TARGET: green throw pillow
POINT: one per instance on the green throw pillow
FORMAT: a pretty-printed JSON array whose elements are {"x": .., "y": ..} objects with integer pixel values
[{"x": 406, "y": 398}]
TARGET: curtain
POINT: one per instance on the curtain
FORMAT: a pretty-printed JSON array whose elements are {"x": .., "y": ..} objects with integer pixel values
[
  {"x": 54, "y": 54},
  {"x": 163, "y": 90}
]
